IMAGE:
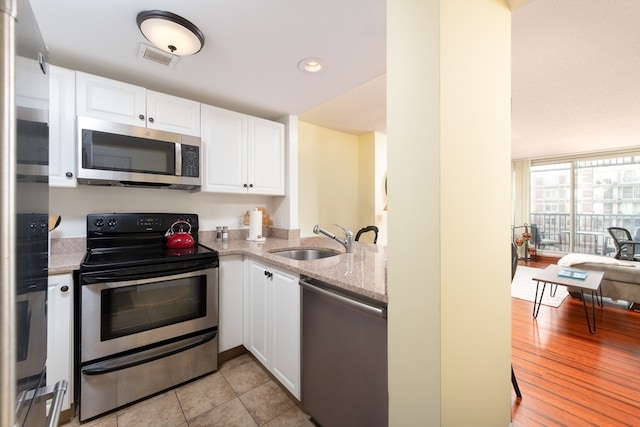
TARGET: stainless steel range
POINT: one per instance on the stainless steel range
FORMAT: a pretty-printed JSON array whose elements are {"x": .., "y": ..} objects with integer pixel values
[{"x": 148, "y": 314}]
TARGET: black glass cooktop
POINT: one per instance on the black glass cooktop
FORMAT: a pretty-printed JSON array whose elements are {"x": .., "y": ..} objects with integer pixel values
[
  {"x": 109, "y": 258},
  {"x": 130, "y": 240}
]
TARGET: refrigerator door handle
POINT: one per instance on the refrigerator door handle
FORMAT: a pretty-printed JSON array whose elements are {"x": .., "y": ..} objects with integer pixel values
[
  {"x": 55, "y": 392},
  {"x": 59, "y": 390}
]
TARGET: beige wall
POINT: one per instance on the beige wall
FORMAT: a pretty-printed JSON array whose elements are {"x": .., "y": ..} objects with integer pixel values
[
  {"x": 341, "y": 180},
  {"x": 448, "y": 118},
  {"x": 380, "y": 176},
  {"x": 373, "y": 171},
  {"x": 366, "y": 166},
  {"x": 328, "y": 179}
]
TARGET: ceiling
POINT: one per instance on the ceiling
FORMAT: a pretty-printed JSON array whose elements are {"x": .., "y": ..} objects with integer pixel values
[
  {"x": 575, "y": 83},
  {"x": 249, "y": 62},
  {"x": 575, "y": 77}
]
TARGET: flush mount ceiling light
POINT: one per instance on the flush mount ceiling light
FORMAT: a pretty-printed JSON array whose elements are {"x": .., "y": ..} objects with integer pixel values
[
  {"x": 310, "y": 65},
  {"x": 170, "y": 32}
]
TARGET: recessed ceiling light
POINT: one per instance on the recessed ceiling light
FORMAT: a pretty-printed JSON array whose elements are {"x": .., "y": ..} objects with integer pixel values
[{"x": 310, "y": 65}]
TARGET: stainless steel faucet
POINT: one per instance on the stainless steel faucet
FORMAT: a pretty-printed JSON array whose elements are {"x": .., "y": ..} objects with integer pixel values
[{"x": 347, "y": 242}]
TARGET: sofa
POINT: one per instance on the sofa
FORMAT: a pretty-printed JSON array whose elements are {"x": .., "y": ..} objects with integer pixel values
[{"x": 621, "y": 279}]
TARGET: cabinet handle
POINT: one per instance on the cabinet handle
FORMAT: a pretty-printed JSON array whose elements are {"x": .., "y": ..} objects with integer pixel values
[
  {"x": 150, "y": 119},
  {"x": 250, "y": 185},
  {"x": 65, "y": 288},
  {"x": 69, "y": 175},
  {"x": 245, "y": 185},
  {"x": 141, "y": 116}
]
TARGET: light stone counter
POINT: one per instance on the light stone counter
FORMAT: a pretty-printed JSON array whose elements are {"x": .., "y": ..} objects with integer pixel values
[
  {"x": 362, "y": 271},
  {"x": 61, "y": 263}
]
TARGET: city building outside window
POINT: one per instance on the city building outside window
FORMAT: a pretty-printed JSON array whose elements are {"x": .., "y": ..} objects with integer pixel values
[{"x": 574, "y": 201}]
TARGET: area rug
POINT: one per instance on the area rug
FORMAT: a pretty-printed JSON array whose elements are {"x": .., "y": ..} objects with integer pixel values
[{"x": 524, "y": 288}]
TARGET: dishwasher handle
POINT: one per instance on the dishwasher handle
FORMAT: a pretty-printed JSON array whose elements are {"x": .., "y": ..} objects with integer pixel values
[{"x": 361, "y": 306}]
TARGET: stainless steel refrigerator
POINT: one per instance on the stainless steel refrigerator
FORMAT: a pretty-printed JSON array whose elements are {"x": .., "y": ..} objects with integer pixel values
[{"x": 24, "y": 206}]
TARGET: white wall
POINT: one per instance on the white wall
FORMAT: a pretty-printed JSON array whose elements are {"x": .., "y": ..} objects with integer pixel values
[
  {"x": 73, "y": 204},
  {"x": 448, "y": 94}
]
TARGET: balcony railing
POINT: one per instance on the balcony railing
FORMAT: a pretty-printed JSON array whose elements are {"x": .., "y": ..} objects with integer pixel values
[{"x": 590, "y": 237}]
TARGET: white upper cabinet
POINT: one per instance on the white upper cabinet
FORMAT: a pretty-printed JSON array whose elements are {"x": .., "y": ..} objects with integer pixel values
[
  {"x": 115, "y": 101},
  {"x": 242, "y": 154},
  {"x": 173, "y": 114},
  {"x": 266, "y": 158},
  {"x": 62, "y": 131},
  {"x": 111, "y": 100}
]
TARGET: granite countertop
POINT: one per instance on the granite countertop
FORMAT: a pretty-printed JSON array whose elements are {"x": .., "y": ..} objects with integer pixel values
[{"x": 362, "y": 271}]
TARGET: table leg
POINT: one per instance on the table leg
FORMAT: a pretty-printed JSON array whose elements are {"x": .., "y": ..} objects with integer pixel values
[
  {"x": 536, "y": 303},
  {"x": 594, "y": 298}
]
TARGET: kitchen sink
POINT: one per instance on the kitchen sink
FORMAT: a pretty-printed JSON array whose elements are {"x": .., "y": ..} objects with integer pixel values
[{"x": 306, "y": 254}]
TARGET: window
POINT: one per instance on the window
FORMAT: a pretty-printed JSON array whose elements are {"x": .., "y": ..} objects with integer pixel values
[{"x": 573, "y": 201}]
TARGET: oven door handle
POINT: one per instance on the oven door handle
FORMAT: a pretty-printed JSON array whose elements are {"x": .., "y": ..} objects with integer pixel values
[
  {"x": 131, "y": 360},
  {"x": 90, "y": 279}
]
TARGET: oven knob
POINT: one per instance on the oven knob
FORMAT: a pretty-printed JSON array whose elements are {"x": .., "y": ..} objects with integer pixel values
[
  {"x": 112, "y": 222},
  {"x": 99, "y": 222}
]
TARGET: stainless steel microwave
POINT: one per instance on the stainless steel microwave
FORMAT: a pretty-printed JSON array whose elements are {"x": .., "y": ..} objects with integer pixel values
[{"x": 124, "y": 155}]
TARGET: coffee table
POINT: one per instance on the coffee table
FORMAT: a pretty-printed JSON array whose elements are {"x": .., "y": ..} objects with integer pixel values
[{"x": 590, "y": 283}]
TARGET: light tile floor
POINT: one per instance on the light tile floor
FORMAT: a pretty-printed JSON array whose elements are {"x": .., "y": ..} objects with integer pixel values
[{"x": 240, "y": 393}]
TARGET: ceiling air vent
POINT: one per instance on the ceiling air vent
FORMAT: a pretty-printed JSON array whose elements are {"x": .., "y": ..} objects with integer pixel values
[{"x": 149, "y": 53}]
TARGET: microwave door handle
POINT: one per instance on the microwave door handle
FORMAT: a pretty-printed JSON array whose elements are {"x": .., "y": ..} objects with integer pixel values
[{"x": 178, "y": 159}]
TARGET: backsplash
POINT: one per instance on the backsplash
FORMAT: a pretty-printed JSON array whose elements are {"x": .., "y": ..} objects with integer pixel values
[
  {"x": 79, "y": 244},
  {"x": 73, "y": 205}
]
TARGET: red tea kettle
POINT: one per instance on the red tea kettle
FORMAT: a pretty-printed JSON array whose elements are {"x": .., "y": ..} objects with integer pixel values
[{"x": 180, "y": 239}]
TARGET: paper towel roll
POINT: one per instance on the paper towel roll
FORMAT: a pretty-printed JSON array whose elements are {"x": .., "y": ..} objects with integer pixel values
[{"x": 255, "y": 224}]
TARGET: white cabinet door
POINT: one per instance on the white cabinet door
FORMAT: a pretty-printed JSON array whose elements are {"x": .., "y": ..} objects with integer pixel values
[
  {"x": 110, "y": 100},
  {"x": 242, "y": 154},
  {"x": 60, "y": 333},
  {"x": 173, "y": 114},
  {"x": 224, "y": 141},
  {"x": 115, "y": 101},
  {"x": 285, "y": 331},
  {"x": 266, "y": 157},
  {"x": 231, "y": 293},
  {"x": 62, "y": 127},
  {"x": 257, "y": 306},
  {"x": 272, "y": 322}
]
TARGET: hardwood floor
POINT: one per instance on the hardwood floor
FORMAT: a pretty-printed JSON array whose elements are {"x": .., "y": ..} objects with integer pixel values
[{"x": 569, "y": 377}]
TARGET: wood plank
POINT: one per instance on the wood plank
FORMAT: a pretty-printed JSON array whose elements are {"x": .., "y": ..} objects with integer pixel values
[{"x": 569, "y": 377}]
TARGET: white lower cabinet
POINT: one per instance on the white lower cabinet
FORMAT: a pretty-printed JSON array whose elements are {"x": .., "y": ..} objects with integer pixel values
[
  {"x": 231, "y": 282},
  {"x": 272, "y": 321},
  {"x": 60, "y": 333}
]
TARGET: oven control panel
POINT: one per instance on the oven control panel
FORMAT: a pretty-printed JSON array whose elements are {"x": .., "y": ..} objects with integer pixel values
[
  {"x": 136, "y": 223},
  {"x": 149, "y": 221}
]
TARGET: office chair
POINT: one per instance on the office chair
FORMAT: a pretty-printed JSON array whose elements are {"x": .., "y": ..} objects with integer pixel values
[
  {"x": 367, "y": 229},
  {"x": 625, "y": 246}
]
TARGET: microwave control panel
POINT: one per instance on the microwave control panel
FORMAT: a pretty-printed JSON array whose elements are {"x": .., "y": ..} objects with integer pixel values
[{"x": 190, "y": 161}]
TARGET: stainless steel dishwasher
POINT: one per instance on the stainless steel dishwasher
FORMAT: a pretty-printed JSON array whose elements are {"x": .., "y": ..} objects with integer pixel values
[{"x": 344, "y": 357}]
